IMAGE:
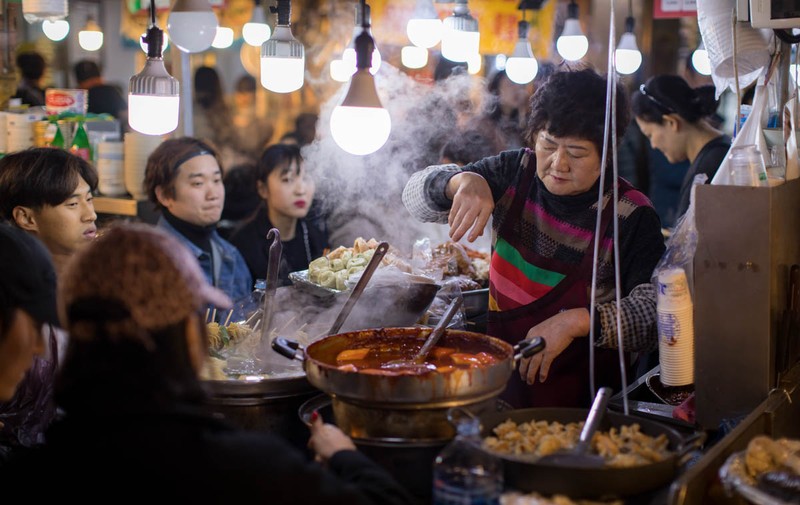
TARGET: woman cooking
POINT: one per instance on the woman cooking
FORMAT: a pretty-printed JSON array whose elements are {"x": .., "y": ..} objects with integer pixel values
[{"x": 544, "y": 204}]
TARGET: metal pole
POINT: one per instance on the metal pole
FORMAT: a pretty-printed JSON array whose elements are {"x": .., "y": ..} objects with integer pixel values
[{"x": 186, "y": 94}]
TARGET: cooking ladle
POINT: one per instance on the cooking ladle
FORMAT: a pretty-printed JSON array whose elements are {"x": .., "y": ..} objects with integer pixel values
[
  {"x": 579, "y": 456},
  {"x": 273, "y": 265},
  {"x": 419, "y": 359},
  {"x": 355, "y": 294}
]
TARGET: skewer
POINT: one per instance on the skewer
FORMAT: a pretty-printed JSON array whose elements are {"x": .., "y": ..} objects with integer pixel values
[
  {"x": 207, "y": 311},
  {"x": 256, "y": 314},
  {"x": 228, "y": 319},
  {"x": 258, "y": 323},
  {"x": 214, "y": 315}
]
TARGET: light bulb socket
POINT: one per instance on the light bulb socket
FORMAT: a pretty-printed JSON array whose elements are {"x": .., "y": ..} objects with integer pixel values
[
  {"x": 364, "y": 20},
  {"x": 362, "y": 92},
  {"x": 629, "y": 23},
  {"x": 284, "y": 12},
  {"x": 461, "y": 22},
  {"x": 91, "y": 25},
  {"x": 154, "y": 38},
  {"x": 522, "y": 29},
  {"x": 461, "y": 8},
  {"x": 282, "y": 44},
  {"x": 572, "y": 10},
  {"x": 364, "y": 45},
  {"x": 154, "y": 80}
]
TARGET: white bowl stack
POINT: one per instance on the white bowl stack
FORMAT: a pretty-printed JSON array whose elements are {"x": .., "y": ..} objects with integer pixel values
[
  {"x": 136, "y": 151},
  {"x": 675, "y": 328},
  {"x": 4, "y": 132},
  {"x": 20, "y": 131},
  {"x": 110, "y": 168}
]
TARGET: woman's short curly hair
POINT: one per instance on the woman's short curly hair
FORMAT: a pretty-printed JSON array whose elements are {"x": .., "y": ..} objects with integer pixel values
[{"x": 572, "y": 103}]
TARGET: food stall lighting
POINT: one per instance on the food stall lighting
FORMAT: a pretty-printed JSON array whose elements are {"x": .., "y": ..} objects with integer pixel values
[
  {"x": 359, "y": 124},
  {"x": 192, "y": 25},
  {"x": 572, "y": 45},
  {"x": 474, "y": 64},
  {"x": 349, "y": 54},
  {"x": 340, "y": 71},
  {"x": 627, "y": 56},
  {"x": 500, "y": 62},
  {"x": 700, "y": 60},
  {"x": 414, "y": 57},
  {"x": 143, "y": 42},
  {"x": 460, "y": 35},
  {"x": 256, "y": 31},
  {"x": 154, "y": 98},
  {"x": 223, "y": 39},
  {"x": 283, "y": 58},
  {"x": 521, "y": 66},
  {"x": 424, "y": 29},
  {"x": 55, "y": 30},
  {"x": 91, "y": 37}
]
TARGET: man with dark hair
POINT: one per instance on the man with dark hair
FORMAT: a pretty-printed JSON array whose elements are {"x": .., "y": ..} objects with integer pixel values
[
  {"x": 48, "y": 192},
  {"x": 31, "y": 65},
  {"x": 103, "y": 98}
]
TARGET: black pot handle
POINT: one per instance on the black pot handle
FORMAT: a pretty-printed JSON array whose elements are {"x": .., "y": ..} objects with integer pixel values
[
  {"x": 288, "y": 348},
  {"x": 528, "y": 348},
  {"x": 688, "y": 446}
]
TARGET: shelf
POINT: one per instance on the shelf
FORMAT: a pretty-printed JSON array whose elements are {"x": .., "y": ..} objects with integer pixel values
[{"x": 119, "y": 206}]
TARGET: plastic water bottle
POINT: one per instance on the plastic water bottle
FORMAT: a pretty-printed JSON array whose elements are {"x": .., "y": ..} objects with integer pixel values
[{"x": 465, "y": 475}]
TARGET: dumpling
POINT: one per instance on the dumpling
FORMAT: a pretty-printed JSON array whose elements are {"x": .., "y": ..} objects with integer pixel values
[{"x": 327, "y": 278}]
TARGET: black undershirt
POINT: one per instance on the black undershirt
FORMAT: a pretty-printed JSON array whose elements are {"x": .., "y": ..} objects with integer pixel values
[{"x": 197, "y": 235}]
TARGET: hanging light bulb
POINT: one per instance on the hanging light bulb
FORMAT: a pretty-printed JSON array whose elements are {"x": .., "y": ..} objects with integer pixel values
[
  {"x": 91, "y": 37},
  {"x": 39, "y": 10},
  {"x": 154, "y": 98},
  {"x": 414, "y": 57},
  {"x": 474, "y": 64},
  {"x": 340, "y": 71},
  {"x": 572, "y": 45},
  {"x": 627, "y": 56},
  {"x": 223, "y": 39},
  {"x": 521, "y": 66},
  {"x": 283, "y": 58},
  {"x": 256, "y": 31},
  {"x": 349, "y": 54},
  {"x": 700, "y": 60},
  {"x": 359, "y": 124},
  {"x": 55, "y": 30},
  {"x": 143, "y": 42},
  {"x": 424, "y": 29},
  {"x": 192, "y": 25},
  {"x": 460, "y": 35}
]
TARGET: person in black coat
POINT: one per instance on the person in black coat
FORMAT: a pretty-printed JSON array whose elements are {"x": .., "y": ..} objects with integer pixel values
[
  {"x": 135, "y": 428},
  {"x": 287, "y": 191}
]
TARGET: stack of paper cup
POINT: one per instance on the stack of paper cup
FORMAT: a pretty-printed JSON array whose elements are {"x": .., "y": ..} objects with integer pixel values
[
  {"x": 20, "y": 131},
  {"x": 110, "y": 169},
  {"x": 136, "y": 151},
  {"x": 675, "y": 328}
]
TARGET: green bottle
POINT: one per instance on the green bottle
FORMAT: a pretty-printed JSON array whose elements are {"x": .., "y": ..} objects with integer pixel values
[
  {"x": 80, "y": 143},
  {"x": 58, "y": 137}
]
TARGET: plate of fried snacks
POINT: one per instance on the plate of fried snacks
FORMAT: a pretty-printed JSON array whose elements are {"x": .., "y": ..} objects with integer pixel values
[{"x": 767, "y": 473}]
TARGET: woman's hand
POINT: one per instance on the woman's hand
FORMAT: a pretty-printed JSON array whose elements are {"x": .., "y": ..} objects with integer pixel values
[
  {"x": 558, "y": 333},
  {"x": 472, "y": 205},
  {"x": 326, "y": 439}
]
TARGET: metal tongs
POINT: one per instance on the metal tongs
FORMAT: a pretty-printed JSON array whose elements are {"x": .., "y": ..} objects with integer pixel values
[
  {"x": 274, "y": 261},
  {"x": 355, "y": 294}
]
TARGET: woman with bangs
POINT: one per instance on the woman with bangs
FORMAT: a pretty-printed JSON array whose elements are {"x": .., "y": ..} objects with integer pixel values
[
  {"x": 543, "y": 200},
  {"x": 287, "y": 191}
]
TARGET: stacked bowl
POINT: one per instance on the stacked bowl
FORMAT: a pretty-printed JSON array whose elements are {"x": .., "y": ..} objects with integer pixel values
[{"x": 136, "y": 151}]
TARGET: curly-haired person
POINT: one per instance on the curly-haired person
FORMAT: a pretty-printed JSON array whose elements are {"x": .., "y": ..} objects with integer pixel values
[{"x": 543, "y": 200}]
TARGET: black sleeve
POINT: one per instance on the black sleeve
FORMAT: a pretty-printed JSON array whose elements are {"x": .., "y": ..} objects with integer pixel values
[
  {"x": 641, "y": 248},
  {"x": 372, "y": 480}
]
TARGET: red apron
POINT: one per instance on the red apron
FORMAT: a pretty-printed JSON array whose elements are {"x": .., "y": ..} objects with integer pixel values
[{"x": 567, "y": 383}]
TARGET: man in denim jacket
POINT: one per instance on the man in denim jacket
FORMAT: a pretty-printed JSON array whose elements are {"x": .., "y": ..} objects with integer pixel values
[{"x": 184, "y": 179}]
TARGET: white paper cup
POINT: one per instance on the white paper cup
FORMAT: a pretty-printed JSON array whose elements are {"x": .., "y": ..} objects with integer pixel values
[
  {"x": 676, "y": 346},
  {"x": 673, "y": 290}
]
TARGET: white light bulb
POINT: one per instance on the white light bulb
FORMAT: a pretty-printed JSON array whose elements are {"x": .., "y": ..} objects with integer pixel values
[
  {"x": 700, "y": 61},
  {"x": 192, "y": 25},
  {"x": 283, "y": 62},
  {"x": 360, "y": 130},
  {"x": 459, "y": 45},
  {"x": 349, "y": 54},
  {"x": 572, "y": 45},
  {"x": 90, "y": 40},
  {"x": 223, "y": 39},
  {"x": 474, "y": 64},
  {"x": 500, "y": 62},
  {"x": 256, "y": 31},
  {"x": 414, "y": 57},
  {"x": 340, "y": 71},
  {"x": 627, "y": 56},
  {"x": 153, "y": 115},
  {"x": 424, "y": 33},
  {"x": 55, "y": 30},
  {"x": 143, "y": 44},
  {"x": 522, "y": 67}
]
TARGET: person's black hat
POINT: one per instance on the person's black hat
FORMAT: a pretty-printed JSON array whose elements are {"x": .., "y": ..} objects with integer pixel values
[{"x": 27, "y": 276}]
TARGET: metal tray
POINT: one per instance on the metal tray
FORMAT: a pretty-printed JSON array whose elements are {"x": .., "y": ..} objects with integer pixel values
[
  {"x": 301, "y": 282},
  {"x": 735, "y": 478}
]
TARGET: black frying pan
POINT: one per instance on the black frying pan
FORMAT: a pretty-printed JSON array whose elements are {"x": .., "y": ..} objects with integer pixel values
[{"x": 527, "y": 475}]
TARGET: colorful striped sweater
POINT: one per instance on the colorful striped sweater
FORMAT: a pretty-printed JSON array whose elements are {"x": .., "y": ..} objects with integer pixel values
[{"x": 559, "y": 229}]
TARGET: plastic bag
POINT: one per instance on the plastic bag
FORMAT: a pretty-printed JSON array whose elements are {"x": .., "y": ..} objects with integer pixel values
[
  {"x": 449, "y": 291},
  {"x": 789, "y": 134},
  {"x": 750, "y": 134}
]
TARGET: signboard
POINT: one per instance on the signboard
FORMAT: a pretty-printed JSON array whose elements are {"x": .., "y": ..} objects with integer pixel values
[{"x": 663, "y": 9}]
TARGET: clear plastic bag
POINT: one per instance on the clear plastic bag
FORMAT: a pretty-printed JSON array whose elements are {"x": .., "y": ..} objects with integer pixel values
[{"x": 450, "y": 290}]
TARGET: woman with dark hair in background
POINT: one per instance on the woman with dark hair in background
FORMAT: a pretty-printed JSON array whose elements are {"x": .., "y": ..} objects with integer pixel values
[
  {"x": 287, "y": 191},
  {"x": 543, "y": 201},
  {"x": 213, "y": 119},
  {"x": 674, "y": 117}
]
